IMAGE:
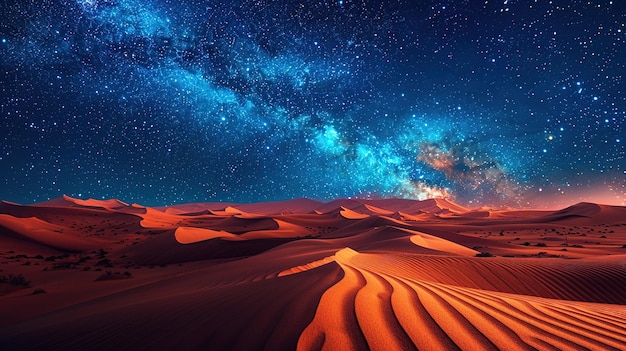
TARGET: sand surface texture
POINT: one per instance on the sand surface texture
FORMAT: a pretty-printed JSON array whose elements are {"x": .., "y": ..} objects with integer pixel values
[{"x": 300, "y": 274}]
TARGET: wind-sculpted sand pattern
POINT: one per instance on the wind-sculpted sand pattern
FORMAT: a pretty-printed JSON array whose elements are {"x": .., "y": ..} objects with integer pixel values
[
  {"x": 370, "y": 309},
  {"x": 300, "y": 274}
]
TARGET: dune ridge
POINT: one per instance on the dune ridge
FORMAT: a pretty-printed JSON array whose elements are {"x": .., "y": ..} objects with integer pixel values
[{"x": 374, "y": 315}]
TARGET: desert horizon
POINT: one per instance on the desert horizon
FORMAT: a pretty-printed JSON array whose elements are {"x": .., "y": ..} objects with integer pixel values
[{"x": 385, "y": 274}]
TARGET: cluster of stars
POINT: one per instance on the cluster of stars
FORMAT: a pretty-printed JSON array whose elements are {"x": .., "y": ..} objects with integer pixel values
[{"x": 507, "y": 102}]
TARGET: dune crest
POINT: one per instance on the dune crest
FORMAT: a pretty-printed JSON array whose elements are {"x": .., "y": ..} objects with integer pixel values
[
  {"x": 187, "y": 235},
  {"x": 378, "y": 311},
  {"x": 349, "y": 214},
  {"x": 308, "y": 266},
  {"x": 159, "y": 220},
  {"x": 435, "y": 243}
]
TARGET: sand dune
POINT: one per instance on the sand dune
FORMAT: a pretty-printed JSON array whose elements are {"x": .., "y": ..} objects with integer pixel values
[
  {"x": 281, "y": 207},
  {"x": 185, "y": 235},
  {"x": 67, "y": 201},
  {"x": 349, "y": 214},
  {"x": 407, "y": 217},
  {"x": 350, "y": 274},
  {"x": 202, "y": 207},
  {"x": 37, "y": 231},
  {"x": 426, "y": 206},
  {"x": 588, "y": 213},
  {"x": 392, "y": 310}
]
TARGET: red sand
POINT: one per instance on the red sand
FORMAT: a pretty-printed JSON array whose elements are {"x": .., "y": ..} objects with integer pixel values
[{"x": 349, "y": 274}]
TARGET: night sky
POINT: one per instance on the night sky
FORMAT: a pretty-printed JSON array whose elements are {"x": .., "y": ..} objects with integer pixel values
[{"x": 509, "y": 102}]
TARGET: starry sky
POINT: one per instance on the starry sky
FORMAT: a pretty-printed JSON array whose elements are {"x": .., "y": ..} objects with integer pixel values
[{"x": 509, "y": 102}]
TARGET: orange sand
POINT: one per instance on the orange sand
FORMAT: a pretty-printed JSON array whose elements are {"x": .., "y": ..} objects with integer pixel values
[{"x": 350, "y": 274}]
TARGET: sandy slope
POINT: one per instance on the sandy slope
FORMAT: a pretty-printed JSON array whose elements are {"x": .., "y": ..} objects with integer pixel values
[
  {"x": 349, "y": 274},
  {"x": 392, "y": 310}
]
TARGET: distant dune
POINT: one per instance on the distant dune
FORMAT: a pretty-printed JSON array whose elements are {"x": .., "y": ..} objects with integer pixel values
[{"x": 350, "y": 274}]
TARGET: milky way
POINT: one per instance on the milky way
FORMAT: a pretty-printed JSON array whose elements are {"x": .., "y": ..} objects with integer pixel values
[{"x": 518, "y": 103}]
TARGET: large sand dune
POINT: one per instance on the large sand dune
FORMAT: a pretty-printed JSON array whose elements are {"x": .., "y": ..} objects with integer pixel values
[{"x": 300, "y": 274}]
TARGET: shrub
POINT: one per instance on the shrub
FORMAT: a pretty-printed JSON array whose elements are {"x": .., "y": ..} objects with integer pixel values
[
  {"x": 108, "y": 275},
  {"x": 39, "y": 291},
  {"x": 15, "y": 280},
  {"x": 63, "y": 265},
  {"x": 104, "y": 262},
  {"x": 541, "y": 244},
  {"x": 484, "y": 254},
  {"x": 84, "y": 259}
]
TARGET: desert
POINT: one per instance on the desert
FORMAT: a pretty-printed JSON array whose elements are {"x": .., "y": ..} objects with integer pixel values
[{"x": 350, "y": 274}]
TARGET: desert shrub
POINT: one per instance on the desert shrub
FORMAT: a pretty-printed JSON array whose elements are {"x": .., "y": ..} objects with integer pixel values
[
  {"x": 64, "y": 265},
  {"x": 541, "y": 244},
  {"x": 624, "y": 246},
  {"x": 578, "y": 246},
  {"x": 39, "y": 291},
  {"x": 15, "y": 280},
  {"x": 526, "y": 244},
  {"x": 484, "y": 254},
  {"x": 84, "y": 259},
  {"x": 104, "y": 262},
  {"x": 108, "y": 275}
]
